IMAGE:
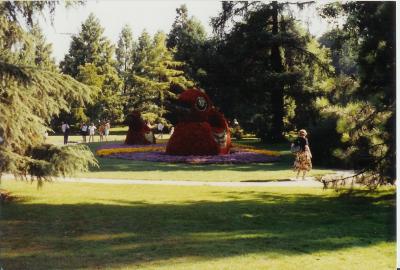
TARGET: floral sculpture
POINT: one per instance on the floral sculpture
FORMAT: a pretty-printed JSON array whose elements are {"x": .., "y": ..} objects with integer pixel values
[
  {"x": 201, "y": 128},
  {"x": 139, "y": 132}
]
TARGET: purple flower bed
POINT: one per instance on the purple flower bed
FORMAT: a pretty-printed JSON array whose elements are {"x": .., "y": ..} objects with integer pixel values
[{"x": 238, "y": 156}]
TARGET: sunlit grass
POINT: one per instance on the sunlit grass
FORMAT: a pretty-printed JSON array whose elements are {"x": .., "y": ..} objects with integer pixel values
[
  {"x": 88, "y": 226},
  {"x": 127, "y": 169}
]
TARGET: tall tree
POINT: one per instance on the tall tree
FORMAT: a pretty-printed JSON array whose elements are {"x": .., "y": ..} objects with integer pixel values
[
  {"x": 31, "y": 93},
  {"x": 139, "y": 97},
  {"x": 125, "y": 56},
  {"x": 367, "y": 122},
  {"x": 188, "y": 37},
  {"x": 160, "y": 74},
  {"x": 42, "y": 50},
  {"x": 270, "y": 62},
  {"x": 90, "y": 46}
]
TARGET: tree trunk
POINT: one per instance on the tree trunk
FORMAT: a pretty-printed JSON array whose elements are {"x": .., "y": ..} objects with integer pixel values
[{"x": 277, "y": 91}]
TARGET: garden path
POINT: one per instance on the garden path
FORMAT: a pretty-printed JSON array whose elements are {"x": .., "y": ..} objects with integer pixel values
[{"x": 308, "y": 182}]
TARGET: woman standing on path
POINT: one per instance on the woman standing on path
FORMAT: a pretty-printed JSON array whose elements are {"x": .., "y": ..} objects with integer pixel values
[{"x": 302, "y": 161}]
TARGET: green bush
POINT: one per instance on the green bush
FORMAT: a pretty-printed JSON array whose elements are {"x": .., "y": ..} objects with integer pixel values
[{"x": 324, "y": 140}]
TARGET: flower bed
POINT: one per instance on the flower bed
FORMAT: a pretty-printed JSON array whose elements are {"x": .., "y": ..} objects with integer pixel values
[
  {"x": 113, "y": 149},
  {"x": 156, "y": 153}
]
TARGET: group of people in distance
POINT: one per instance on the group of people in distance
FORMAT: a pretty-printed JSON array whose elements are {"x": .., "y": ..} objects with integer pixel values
[{"x": 103, "y": 130}]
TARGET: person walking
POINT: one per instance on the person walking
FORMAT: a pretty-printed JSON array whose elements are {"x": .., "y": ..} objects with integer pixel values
[
  {"x": 65, "y": 131},
  {"x": 84, "y": 132},
  {"x": 160, "y": 128},
  {"x": 107, "y": 127},
  {"x": 302, "y": 162},
  {"x": 101, "y": 131},
  {"x": 92, "y": 129}
]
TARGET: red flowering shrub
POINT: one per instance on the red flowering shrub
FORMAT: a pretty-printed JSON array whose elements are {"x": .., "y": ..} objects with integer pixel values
[{"x": 202, "y": 130}]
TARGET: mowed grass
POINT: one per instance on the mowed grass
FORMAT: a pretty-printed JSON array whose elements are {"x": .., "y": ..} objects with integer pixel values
[
  {"x": 88, "y": 226},
  {"x": 142, "y": 170}
]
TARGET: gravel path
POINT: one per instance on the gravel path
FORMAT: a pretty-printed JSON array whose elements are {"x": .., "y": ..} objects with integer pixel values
[{"x": 308, "y": 182}]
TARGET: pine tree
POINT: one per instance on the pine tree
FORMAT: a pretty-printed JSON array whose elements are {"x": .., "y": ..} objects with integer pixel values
[
  {"x": 367, "y": 121},
  {"x": 42, "y": 50},
  {"x": 91, "y": 47},
  {"x": 270, "y": 68},
  {"x": 31, "y": 94},
  {"x": 158, "y": 74},
  {"x": 138, "y": 97},
  {"x": 188, "y": 37},
  {"x": 125, "y": 56}
]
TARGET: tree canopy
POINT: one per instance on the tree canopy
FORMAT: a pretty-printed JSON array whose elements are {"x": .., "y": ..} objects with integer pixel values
[
  {"x": 260, "y": 66},
  {"x": 32, "y": 92},
  {"x": 91, "y": 52}
]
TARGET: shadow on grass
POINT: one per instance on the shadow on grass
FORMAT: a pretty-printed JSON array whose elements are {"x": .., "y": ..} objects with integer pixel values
[{"x": 44, "y": 236}]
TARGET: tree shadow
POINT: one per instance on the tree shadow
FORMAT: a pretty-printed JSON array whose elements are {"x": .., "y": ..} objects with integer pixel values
[{"x": 131, "y": 232}]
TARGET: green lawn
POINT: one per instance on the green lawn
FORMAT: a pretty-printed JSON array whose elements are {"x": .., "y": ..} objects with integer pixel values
[
  {"x": 88, "y": 226},
  {"x": 127, "y": 169}
]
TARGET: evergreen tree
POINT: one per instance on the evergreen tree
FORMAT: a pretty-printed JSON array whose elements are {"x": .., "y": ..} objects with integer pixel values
[
  {"x": 91, "y": 47},
  {"x": 270, "y": 66},
  {"x": 142, "y": 52},
  {"x": 125, "y": 54},
  {"x": 159, "y": 75},
  {"x": 367, "y": 122},
  {"x": 139, "y": 97},
  {"x": 31, "y": 94},
  {"x": 188, "y": 37},
  {"x": 42, "y": 50}
]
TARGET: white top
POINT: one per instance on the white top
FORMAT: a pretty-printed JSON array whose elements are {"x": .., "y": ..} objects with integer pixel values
[
  {"x": 84, "y": 128},
  {"x": 107, "y": 126},
  {"x": 91, "y": 130},
  {"x": 64, "y": 127},
  {"x": 160, "y": 126}
]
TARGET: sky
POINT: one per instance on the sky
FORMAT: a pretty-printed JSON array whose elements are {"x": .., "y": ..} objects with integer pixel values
[{"x": 139, "y": 15}]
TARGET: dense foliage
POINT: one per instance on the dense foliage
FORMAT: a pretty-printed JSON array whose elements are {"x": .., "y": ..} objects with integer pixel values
[
  {"x": 366, "y": 121},
  {"x": 260, "y": 66},
  {"x": 188, "y": 37},
  {"x": 150, "y": 72},
  {"x": 32, "y": 92},
  {"x": 91, "y": 60},
  {"x": 265, "y": 69}
]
